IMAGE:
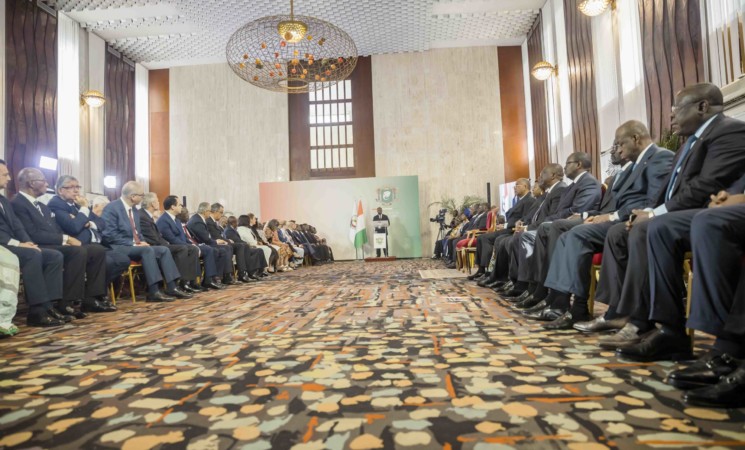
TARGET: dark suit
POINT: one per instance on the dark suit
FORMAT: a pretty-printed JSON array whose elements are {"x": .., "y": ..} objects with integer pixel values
[
  {"x": 120, "y": 234},
  {"x": 569, "y": 268},
  {"x": 485, "y": 242},
  {"x": 714, "y": 162},
  {"x": 84, "y": 274},
  {"x": 73, "y": 222},
  {"x": 197, "y": 226},
  {"x": 41, "y": 270},
  {"x": 186, "y": 257},
  {"x": 381, "y": 218},
  {"x": 173, "y": 231},
  {"x": 477, "y": 222}
]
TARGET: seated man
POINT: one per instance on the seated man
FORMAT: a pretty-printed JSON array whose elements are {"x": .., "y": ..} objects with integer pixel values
[
  {"x": 717, "y": 379},
  {"x": 84, "y": 275},
  {"x": 76, "y": 219},
  {"x": 477, "y": 222},
  {"x": 122, "y": 231},
  {"x": 172, "y": 226},
  {"x": 248, "y": 260},
  {"x": 569, "y": 270},
  {"x": 41, "y": 268},
  {"x": 197, "y": 226},
  {"x": 185, "y": 256},
  {"x": 485, "y": 242}
]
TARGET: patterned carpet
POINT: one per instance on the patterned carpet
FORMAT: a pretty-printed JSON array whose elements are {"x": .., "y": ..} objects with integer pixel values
[{"x": 349, "y": 355}]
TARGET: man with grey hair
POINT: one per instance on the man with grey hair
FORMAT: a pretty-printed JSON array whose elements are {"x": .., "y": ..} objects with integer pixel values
[
  {"x": 250, "y": 261},
  {"x": 197, "y": 226},
  {"x": 185, "y": 256},
  {"x": 76, "y": 218},
  {"x": 122, "y": 231}
]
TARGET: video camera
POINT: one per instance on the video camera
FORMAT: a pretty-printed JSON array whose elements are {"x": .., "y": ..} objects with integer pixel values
[{"x": 440, "y": 217}]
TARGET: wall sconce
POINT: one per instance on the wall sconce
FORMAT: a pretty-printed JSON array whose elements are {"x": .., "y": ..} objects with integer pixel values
[
  {"x": 594, "y": 8},
  {"x": 109, "y": 182},
  {"x": 92, "y": 98},
  {"x": 543, "y": 70}
]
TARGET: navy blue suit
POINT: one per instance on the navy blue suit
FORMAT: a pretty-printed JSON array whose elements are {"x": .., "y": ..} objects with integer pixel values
[
  {"x": 73, "y": 223},
  {"x": 197, "y": 226},
  {"x": 172, "y": 231},
  {"x": 119, "y": 234},
  {"x": 41, "y": 270}
]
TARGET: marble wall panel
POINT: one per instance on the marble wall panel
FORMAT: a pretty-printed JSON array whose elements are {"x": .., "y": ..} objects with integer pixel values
[
  {"x": 226, "y": 136},
  {"x": 437, "y": 115}
]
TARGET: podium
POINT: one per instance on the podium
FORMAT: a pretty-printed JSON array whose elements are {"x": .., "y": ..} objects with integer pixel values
[{"x": 380, "y": 241}]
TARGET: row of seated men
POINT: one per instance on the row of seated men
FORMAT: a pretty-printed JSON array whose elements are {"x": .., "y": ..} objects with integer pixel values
[
  {"x": 471, "y": 219},
  {"x": 68, "y": 254},
  {"x": 659, "y": 206}
]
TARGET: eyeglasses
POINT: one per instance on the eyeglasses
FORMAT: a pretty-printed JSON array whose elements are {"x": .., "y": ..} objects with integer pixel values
[
  {"x": 571, "y": 162},
  {"x": 138, "y": 195},
  {"x": 73, "y": 187},
  {"x": 38, "y": 179}
]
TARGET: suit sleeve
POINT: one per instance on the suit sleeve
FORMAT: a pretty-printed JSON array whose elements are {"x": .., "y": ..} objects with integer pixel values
[
  {"x": 15, "y": 225},
  {"x": 738, "y": 187},
  {"x": 167, "y": 231},
  {"x": 69, "y": 225},
  {"x": 111, "y": 227},
  {"x": 658, "y": 167},
  {"x": 723, "y": 164},
  {"x": 149, "y": 231},
  {"x": 199, "y": 230},
  {"x": 33, "y": 225}
]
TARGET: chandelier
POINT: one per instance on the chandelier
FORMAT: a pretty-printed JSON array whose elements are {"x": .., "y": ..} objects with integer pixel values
[
  {"x": 593, "y": 8},
  {"x": 543, "y": 70},
  {"x": 291, "y": 54}
]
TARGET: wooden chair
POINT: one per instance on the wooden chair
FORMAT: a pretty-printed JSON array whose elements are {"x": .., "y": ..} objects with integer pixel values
[
  {"x": 688, "y": 278},
  {"x": 465, "y": 256},
  {"x": 135, "y": 269}
]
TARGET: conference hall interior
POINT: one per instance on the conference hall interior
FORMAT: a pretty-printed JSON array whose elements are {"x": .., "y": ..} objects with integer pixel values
[{"x": 372, "y": 224}]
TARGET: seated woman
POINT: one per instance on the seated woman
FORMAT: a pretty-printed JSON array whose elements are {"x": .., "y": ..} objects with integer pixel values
[
  {"x": 10, "y": 274},
  {"x": 285, "y": 253},
  {"x": 246, "y": 228}
]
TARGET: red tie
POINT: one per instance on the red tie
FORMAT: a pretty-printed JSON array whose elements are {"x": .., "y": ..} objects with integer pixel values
[
  {"x": 186, "y": 231},
  {"x": 134, "y": 228}
]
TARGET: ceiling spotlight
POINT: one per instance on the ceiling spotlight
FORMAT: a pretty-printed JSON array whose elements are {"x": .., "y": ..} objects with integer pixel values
[
  {"x": 543, "y": 70},
  {"x": 594, "y": 8},
  {"x": 92, "y": 98}
]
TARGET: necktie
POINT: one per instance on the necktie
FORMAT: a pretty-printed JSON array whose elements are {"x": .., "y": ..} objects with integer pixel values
[
  {"x": 135, "y": 236},
  {"x": 538, "y": 211},
  {"x": 678, "y": 166},
  {"x": 38, "y": 208},
  {"x": 188, "y": 236}
]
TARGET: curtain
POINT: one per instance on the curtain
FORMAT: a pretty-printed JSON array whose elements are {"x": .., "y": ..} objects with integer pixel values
[
  {"x": 68, "y": 97},
  {"x": 724, "y": 30}
]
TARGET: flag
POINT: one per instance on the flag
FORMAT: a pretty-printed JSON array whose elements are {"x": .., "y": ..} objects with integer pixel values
[{"x": 357, "y": 233}]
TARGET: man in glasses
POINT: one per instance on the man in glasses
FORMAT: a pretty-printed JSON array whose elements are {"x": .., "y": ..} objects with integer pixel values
[{"x": 76, "y": 218}]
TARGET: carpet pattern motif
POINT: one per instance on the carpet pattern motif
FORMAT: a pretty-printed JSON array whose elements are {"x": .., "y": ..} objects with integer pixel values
[{"x": 349, "y": 355}]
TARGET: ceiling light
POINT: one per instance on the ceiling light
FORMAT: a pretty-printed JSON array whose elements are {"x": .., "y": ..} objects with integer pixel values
[
  {"x": 543, "y": 70},
  {"x": 109, "y": 182},
  {"x": 291, "y": 54},
  {"x": 92, "y": 98},
  {"x": 593, "y": 8}
]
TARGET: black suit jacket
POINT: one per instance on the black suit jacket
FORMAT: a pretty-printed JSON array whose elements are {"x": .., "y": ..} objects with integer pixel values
[
  {"x": 639, "y": 189},
  {"x": 10, "y": 226},
  {"x": 738, "y": 187},
  {"x": 549, "y": 206},
  {"x": 42, "y": 229},
  {"x": 530, "y": 213},
  {"x": 381, "y": 217},
  {"x": 519, "y": 211},
  {"x": 232, "y": 234},
  {"x": 581, "y": 196},
  {"x": 198, "y": 229},
  {"x": 150, "y": 232},
  {"x": 216, "y": 232},
  {"x": 714, "y": 163}
]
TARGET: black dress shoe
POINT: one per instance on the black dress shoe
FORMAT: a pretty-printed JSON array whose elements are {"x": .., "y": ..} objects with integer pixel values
[
  {"x": 485, "y": 281},
  {"x": 53, "y": 313},
  {"x": 531, "y": 305},
  {"x": 97, "y": 306},
  {"x": 496, "y": 284},
  {"x": 43, "y": 320},
  {"x": 212, "y": 285},
  {"x": 601, "y": 324},
  {"x": 475, "y": 276},
  {"x": 228, "y": 281},
  {"x": 505, "y": 287},
  {"x": 178, "y": 293},
  {"x": 704, "y": 372},
  {"x": 70, "y": 311},
  {"x": 658, "y": 346},
  {"x": 186, "y": 287},
  {"x": 547, "y": 314},
  {"x": 196, "y": 287},
  {"x": 159, "y": 297},
  {"x": 520, "y": 298},
  {"x": 728, "y": 393},
  {"x": 515, "y": 293},
  {"x": 110, "y": 307},
  {"x": 565, "y": 322}
]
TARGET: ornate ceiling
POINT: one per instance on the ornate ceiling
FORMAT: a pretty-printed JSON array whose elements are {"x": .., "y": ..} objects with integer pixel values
[{"x": 166, "y": 33}]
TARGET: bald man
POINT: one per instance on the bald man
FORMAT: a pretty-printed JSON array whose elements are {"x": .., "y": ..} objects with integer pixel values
[
  {"x": 710, "y": 161},
  {"x": 122, "y": 232}
]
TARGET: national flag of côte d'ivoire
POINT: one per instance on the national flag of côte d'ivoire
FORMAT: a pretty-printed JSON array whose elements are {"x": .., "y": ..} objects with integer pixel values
[{"x": 357, "y": 233}]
